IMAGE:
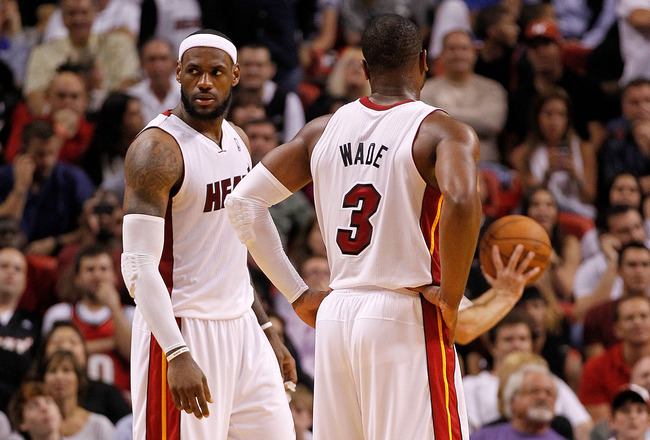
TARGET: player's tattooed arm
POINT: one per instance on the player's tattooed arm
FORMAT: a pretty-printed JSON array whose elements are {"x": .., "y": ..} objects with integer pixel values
[{"x": 153, "y": 167}]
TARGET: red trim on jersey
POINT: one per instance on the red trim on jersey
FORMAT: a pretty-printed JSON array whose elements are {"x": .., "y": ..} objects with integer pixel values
[
  {"x": 365, "y": 101},
  {"x": 441, "y": 365},
  {"x": 429, "y": 221},
  {"x": 166, "y": 266},
  {"x": 163, "y": 419},
  {"x": 167, "y": 113}
]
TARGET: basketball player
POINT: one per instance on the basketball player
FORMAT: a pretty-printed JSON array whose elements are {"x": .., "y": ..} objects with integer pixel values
[
  {"x": 204, "y": 336},
  {"x": 395, "y": 186}
]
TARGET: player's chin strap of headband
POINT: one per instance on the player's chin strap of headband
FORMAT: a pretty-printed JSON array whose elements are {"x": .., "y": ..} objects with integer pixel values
[
  {"x": 143, "y": 238},
  {"x": 208, "y": 40},
  {"x": 248, "y": 209}
]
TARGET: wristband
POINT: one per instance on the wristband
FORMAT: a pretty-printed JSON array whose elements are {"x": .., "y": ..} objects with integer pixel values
[
  {"x": 266, "y": 325},
  {"x": 174, "y": 354}
]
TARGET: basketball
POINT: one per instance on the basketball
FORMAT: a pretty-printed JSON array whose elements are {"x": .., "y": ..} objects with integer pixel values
[{"x": 509, "y": 231}]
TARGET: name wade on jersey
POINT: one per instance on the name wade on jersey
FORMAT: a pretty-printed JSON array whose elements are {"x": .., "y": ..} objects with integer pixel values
[
  {"x": 363, "y": 155},
  {"x": 216, "y": 192}
]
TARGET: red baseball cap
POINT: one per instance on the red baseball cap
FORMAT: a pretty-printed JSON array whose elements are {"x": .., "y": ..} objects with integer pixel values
[{"x": 543, "y": 29}]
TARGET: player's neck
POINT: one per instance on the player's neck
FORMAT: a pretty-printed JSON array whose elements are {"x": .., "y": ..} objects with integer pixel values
[{"x": 210, "y": 128}]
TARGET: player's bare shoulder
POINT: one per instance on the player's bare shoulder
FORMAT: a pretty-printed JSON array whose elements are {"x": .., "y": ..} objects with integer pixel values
[
  {"x": 152, "y": 167},
  {"x": 441, "y": 134}
]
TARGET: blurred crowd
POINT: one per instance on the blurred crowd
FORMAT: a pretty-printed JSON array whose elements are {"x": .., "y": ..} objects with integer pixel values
[{"x": 557, "y": 91}]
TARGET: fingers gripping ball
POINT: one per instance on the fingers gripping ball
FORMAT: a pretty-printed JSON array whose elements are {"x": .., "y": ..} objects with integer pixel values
[{"x": 509, "y": 231}]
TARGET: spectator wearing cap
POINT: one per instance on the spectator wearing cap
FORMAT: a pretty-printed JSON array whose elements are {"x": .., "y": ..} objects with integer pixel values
[
  {"x": 630, "y": 415},
  {"x": 544, "y": 52},
  {"x": 474, "y": 99}
]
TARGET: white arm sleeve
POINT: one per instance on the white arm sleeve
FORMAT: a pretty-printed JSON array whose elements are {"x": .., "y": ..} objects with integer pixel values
[
  {"x": 248, "y": 209},
  {"x": 143, "y": 238}
]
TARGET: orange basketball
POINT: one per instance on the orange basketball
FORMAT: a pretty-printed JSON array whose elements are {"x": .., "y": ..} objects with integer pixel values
[{"x": 509, "y": 231}]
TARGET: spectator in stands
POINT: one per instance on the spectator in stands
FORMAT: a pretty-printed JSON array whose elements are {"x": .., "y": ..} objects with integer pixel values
[
  {"x": 46, "y": 195},
  {"x": 551, "y": 339},
  {"x": 115, "y": 51},
  {"x": 555, "y": 157},
  {"x": 97, "y": 396},
  {"x": 623, "y": 189},
  {"x": 110, "y": 16},
  {"x": 246, "y": 106},
  {"x": 346, "y": 83},
  {"x": 630, "y": 414},
  {"x": 282, "y": 107},
  {"x": 634, "y": 28},
  {"x": 100, "y": 315},
  {"x": 67, "y": 101},
  {"x": 513, "y": 334},
  {"x": 100, "y": 224},
  {"x": 302, "y": 407},
  {"x": 529, "y": 400},
  {"x": 623, "y": 151},
  {"x": 597, "y": 277},
  {"x": 634, "y": 270},
  {"x": 158, "y": 91},
  {"x": 558, "y": 278},
  {"x": 15, "y": 46},
  {"x": 262, "y": 137},
  {"x": 498, "y": 29},
  {"x": 66, "y": 378},
  {"x": 19, "y": 330},
  {"x": 169, "y": 20},
  {"x": 34, "y": 411},
  {"x": 476, "y": 100},
  {"x": 119, "y": 121},
  {"x": 545, "y": 56},
  {"x": 603, "y": 375}
]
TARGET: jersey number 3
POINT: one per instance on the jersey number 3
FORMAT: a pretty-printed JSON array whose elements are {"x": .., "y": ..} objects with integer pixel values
[{"x": 365, "y": 198}]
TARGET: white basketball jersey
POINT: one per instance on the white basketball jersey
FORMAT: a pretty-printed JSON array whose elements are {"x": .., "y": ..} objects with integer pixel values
[
  {"x": 203, "y": 261},
  {"x": 378, "y": 217}
]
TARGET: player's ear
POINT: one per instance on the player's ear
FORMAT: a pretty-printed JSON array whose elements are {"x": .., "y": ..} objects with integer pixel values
[
  {"x": 423, "y": 61},
  {"x": 178, "y": 71},
  {"x": 235, "y": 75},
  {"x": 366, "y": 71}
]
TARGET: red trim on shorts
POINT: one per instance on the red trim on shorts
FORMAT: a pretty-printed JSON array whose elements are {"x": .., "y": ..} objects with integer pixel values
[
  {"x": 441, "y": 365},
  {"x": 365, "y": 101},
  {"x": 163, "y": 419}
]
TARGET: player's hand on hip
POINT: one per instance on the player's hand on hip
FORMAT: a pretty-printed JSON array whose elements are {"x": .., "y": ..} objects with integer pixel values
[
  {"x": 286, "y": 361},
  {"x": 433, "y": 294},
  {"x": 306, "y": 306},
  {"x": 188, "y": 386}
]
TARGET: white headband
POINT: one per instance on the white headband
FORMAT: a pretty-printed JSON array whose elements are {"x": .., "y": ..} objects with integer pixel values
[{"x": 208, "y": 40}]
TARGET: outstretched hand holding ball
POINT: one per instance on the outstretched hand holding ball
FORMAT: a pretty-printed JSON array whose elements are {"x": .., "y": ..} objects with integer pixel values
[{"x": 509, "y": 231}]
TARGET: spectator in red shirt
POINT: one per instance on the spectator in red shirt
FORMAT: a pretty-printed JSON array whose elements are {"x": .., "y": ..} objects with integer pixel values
[
  {"x": 67, "y": 99},
  {"x": 604, "y": 374}
]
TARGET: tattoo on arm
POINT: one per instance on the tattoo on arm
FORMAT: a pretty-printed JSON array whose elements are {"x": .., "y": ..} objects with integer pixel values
[{"x": 152, "y": 168}]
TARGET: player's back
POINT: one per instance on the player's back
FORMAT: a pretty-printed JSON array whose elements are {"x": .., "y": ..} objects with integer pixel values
[{"x": 378, "y": 217}]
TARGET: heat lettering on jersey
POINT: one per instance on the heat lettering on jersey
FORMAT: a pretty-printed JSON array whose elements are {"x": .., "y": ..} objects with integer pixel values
[
  {"x": 369, "y": 155},
  {"x": 216, "y": 193}
]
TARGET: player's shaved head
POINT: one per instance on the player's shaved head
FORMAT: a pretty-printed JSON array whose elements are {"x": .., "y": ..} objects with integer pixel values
[{"x": 390, "y": 42}]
